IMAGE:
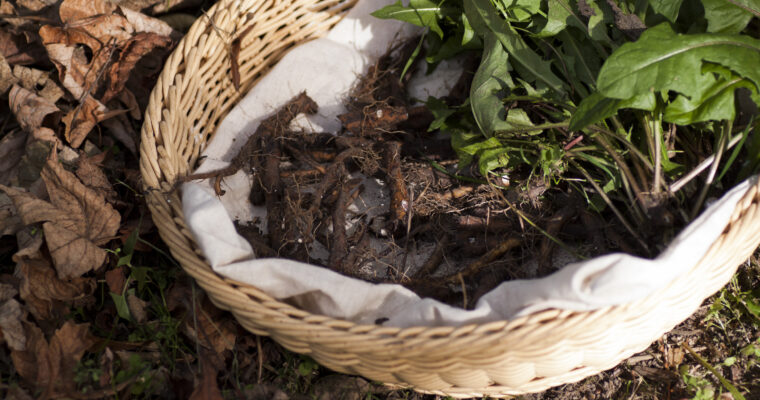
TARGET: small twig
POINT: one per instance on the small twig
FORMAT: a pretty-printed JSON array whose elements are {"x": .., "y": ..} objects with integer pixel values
[
  {"x": 409, "y": 214},
  {"x": 234, "y": 54},
  {"x": 339, "y": 249},
  {"x": 436, "y": 257},
  {"x": 260, "y": 358},
  {"x": 487, "y": 258},
  {"x": 303, "y": 173},
  {"x": 464, "y": 290},
  {"x": 573, "y": 143}
]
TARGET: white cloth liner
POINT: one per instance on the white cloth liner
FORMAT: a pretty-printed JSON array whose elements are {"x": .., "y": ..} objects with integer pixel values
[{"x": 326, "y": 68}]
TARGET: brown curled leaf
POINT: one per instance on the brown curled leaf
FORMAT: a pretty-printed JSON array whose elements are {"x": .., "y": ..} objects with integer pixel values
[{"x": 32, "y": 111}]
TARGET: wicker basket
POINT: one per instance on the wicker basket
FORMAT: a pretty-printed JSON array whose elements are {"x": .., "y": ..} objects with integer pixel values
[{"x": 501, "y": 358}]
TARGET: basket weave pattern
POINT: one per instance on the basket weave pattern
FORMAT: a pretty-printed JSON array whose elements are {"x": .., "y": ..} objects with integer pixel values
[{"x": 528, "y": 354}]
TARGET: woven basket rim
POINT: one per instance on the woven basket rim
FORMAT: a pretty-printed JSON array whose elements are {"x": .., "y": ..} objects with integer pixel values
[{"x": 171, "y": 144}]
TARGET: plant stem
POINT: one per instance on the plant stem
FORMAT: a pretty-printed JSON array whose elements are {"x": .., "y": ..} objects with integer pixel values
[
  {"x": 657, "y": 130},
  {"x": 677, "y": 185},
  {"x": 529, "y": 128},
  {"x": 614, "y": 209},
  {"x": 721, "y": 148},
  {"x": 647, "y": 122},
  {"x": 627, "y": 175},
  {"x": 723, "y": 381},
  {"x": 630, "y": 146}
]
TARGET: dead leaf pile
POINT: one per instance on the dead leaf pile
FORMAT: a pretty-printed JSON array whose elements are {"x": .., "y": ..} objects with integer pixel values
[
  {"x": 79, "y": 316},
  {"x": 104, "y": 54}
]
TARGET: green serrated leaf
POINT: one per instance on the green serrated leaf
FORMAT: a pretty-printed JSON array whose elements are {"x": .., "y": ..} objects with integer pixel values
[
  {"x": 491, "y": 159},
  {"x": 585, "y": 61},
  {"x": 520, "y": 10},
  {"x": 559, "y": 16},
  {"x": 725, "y": 16},
  {"x": 662, "y": 60},
  {"x": 470, "y": 39},
  {"x": 597, "y": 107},
  {"x": 599, "y": 20},
  {"x": 491, "y": 153},
  {"x": 488, "y": 82},
  {"x": 424, "y": 13},
  {"x": 714, "y": 102},
  {"x": 484, "y": 18},
  {"x": 668, "y": 8},
  {"x": 459, "y": 141},
  {"x": 440, "y": 111}
]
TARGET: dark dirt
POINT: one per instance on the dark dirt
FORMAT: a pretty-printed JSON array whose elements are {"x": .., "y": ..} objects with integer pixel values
[
  {"x": 175, "y": 344},
  {"x": 315, "y": 189}
]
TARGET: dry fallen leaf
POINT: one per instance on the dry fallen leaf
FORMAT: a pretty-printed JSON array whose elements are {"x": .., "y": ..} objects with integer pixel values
[
  {"x": 33, "y": 363},
  {"x": 11, "y": 150},
  {"x": 77, "y": 220},
  {"x": 207, "y": 388},
  {"x": 7, "y": 79},
  {"x": 32, "y": 79},
  {"x": 69, "y": 345},
  {"x": 29, "y": 240},
  {"x": 52, "y": 365},
  {"x": 115, "y": 279},
  {"x": 80, "y": 121},
  {"x": 19, "y": 49},
  {"x": 132, "y": 51},
  {"x": 32, "y": 161},
  {"x": 73, "y": 10},
  {"x": 137, "y": 307},
  {"x": 106, "y": 367},
  {"x": 32, "y": 111},
  {"x": 7, "y": 291},
  {"x": 43, "y": 292},
  {"x": 121, "y": 129},
  {"x": 10, "y": 222},
  {"x": 90, "y": 173},
  {"x": 10, "y": 325},
  {"x": 213, "y": 331},
  {"x": 144, "y": 23},
  {"x": 95, "y": 52},
  {"x": 35, "y": 5}
]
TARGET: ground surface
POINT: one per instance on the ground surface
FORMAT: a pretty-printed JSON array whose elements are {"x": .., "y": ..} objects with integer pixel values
[{"x": 92, "y": 305}]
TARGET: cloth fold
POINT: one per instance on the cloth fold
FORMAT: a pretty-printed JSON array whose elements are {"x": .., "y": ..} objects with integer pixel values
[{"x": 326, "y": 69}]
